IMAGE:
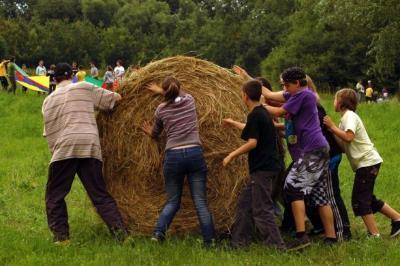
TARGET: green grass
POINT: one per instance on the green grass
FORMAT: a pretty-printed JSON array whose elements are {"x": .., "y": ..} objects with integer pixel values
[{"x": 26, "y": 240}]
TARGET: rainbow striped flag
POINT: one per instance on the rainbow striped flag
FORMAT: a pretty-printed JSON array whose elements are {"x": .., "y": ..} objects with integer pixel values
[{"x": 35, "y": 83}]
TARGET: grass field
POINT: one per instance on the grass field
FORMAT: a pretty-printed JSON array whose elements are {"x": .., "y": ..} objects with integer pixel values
[{"x": 26, "y": 240}]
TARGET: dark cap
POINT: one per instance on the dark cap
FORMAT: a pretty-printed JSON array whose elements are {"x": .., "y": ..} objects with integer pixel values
[{"x": 63, "y": 69}]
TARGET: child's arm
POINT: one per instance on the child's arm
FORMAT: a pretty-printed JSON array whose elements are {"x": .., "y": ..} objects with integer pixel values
[
  {"x": 279, "y": 126},
  {"x": 155, "y": 88},
  {"x": 273, "y": 96},
  {"x": 275, "y": 111},
  {"x": 241, "y": 72},
  {"x": 228, "y": 122},
  {"x": 346, "y": 136},
  {"x": 245, "y": 148}
]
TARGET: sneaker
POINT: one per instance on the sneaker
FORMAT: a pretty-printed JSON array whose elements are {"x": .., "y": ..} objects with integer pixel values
[
  {"x": 316, "y": 232},
  {"x": 158, "y": 237},
  {"x": 395, "y": 229},
  {"x": 129, "y": 241},
  {"x": 299, "y": 243},
  {"x": 371, "y": 236},
  {"x": 330, "y": 241},
  {"x": 62, "y": 243},
  {"x": 209, "y": 244}
]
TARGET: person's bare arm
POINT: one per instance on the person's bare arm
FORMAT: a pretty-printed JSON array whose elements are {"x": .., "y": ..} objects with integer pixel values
[
  {"x": 273, "y": 96},
  {"x": 228, "y": 122},
  {"x": 241, "y": 72},
  {"x": 245, "y": 148},
  {"x": 346, "y": 136},
  {"x": 275, "y": 111}
]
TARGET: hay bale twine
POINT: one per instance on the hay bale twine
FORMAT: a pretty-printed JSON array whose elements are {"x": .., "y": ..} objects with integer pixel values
[{"x": 133, "y": 162}]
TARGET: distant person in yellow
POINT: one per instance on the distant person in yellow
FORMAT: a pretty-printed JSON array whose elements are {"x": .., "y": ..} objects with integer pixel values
[
  {"x": 369, "y": 92},
  {"x": 3, "y": 74},
  {"x": 81, "y": 74}
]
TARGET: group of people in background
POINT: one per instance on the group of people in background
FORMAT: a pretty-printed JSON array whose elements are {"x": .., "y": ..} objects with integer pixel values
[
  {"x": 370, "y": 94},
  {"x": 7, "y": 74},
  {"x": 310, "y": 186}
]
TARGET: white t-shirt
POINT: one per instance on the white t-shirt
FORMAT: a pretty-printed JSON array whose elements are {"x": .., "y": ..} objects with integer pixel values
[
  {"x": 119, "y": 72},
  {"x": 361, "y": 151},
  {"x": 41, "y": 71}
]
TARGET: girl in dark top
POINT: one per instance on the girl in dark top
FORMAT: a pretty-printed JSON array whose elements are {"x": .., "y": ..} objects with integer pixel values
[{"x": 183, "y": 157}]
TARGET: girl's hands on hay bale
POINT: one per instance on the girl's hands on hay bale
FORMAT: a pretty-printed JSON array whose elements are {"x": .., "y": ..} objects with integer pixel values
[
  {"x": 147, "y": 128},
  {"x": 155, "y": 88}
]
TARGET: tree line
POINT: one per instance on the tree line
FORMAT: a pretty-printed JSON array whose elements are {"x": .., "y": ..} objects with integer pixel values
[{"x": 336, "y": 41}]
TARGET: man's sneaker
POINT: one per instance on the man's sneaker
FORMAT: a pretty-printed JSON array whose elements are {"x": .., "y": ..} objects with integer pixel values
[
  {"x": 129, "y": 241},
  {"x": 395, "y": 229},
  {"x": 371, "y": 236},
  {"x": 211, "y": 244},
  {"x": 299, "y": 243},
  {"x": 330, "y": 241},
  {"x": 316, "y": 231},
  {"x": 62, "y": 243},
  {"x": 158, "y": 237}
]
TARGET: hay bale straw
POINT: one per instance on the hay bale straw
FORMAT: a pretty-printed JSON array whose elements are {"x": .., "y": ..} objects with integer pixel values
[{"x": 133, "y": 162}]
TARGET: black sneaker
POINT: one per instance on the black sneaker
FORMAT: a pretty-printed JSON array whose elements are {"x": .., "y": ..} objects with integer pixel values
[
  {"x": 158, "y": 237},
  {"x": 211, "y": 244},
  {"x": 395, "y": 229},
  {"x": 316, "y": 232},
  {"x": 299, "y": 243},
  {"x": 330, "y": 241}
]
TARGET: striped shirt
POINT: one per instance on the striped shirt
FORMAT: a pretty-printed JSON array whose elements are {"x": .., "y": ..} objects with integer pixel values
[
  {"x": 179, "y": 119},
  {"x": 69, "y": 119}
]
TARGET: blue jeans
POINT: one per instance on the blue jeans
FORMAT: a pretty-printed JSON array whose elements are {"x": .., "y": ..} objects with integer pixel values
[{"x": 178, "y": 164}]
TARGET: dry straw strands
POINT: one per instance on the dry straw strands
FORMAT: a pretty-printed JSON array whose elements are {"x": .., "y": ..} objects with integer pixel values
[{"x": 133, "y": 162}]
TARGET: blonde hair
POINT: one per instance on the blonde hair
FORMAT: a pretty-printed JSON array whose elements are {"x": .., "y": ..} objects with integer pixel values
[
  {"x": 311, "y": 86},
  {"x": 346, "y": 99}
]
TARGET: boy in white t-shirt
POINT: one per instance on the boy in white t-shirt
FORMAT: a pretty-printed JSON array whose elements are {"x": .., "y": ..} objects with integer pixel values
[{"x": 365, "y": 162}]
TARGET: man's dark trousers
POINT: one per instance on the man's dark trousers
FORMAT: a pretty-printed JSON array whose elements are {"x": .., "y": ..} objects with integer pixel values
[{"x": 61, "y": 176}]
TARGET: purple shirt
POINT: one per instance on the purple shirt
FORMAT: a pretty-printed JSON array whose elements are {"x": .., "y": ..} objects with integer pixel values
[{"x": 302, "y": 112}]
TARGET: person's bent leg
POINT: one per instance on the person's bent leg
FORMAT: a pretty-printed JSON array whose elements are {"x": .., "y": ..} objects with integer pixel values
[
  {"x": 91, "y": 175},
  {"x": 60, "y": 177},
  {"x": 326, "y": 215},
  {"x": 198, "y": 189},
  {"x": 389, "y": 212},
  {"x": 243, "y": 225},
  {"x": 363, "y": 198},
  {"x": 174, "y": 177},
  {"x": 263, "y": 208},
  {"x": 342, "y": 221}
]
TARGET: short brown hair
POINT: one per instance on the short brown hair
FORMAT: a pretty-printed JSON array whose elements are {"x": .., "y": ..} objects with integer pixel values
[
  {"x": 252, "y": 89},
  {"x": 347, "y": 99}
]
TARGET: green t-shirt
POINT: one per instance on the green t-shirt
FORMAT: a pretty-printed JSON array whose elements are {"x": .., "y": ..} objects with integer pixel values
[{"x": 11, "y": 70}]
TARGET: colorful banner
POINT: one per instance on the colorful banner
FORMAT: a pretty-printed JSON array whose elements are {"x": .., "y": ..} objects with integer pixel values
[{"x": 35, "y": 83}]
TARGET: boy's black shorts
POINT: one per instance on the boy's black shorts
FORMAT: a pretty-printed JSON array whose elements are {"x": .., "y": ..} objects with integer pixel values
[{"x": 363, "y": 199}]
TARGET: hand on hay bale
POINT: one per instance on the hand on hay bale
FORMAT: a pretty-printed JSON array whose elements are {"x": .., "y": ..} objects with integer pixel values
[
  {"x": 155, "y": 88},
  {"x": 147, "y": 128},
  {"x": 241, "y": 72},
  {"x": 229, "y": 122}
]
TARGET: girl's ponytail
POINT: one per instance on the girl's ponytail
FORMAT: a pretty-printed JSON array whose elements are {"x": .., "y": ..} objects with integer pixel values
[{"x": 172, "y": 88}]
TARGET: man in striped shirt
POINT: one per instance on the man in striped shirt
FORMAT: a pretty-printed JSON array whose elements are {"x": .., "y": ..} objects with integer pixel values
[{"x": 72, "y": 135}]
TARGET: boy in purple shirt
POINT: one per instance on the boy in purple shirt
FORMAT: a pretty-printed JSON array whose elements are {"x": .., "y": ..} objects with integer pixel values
[{"x": 307, "y": 180}]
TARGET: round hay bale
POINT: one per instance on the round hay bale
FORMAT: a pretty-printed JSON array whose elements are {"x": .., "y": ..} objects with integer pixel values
[{"x": 133, "y": 162}]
